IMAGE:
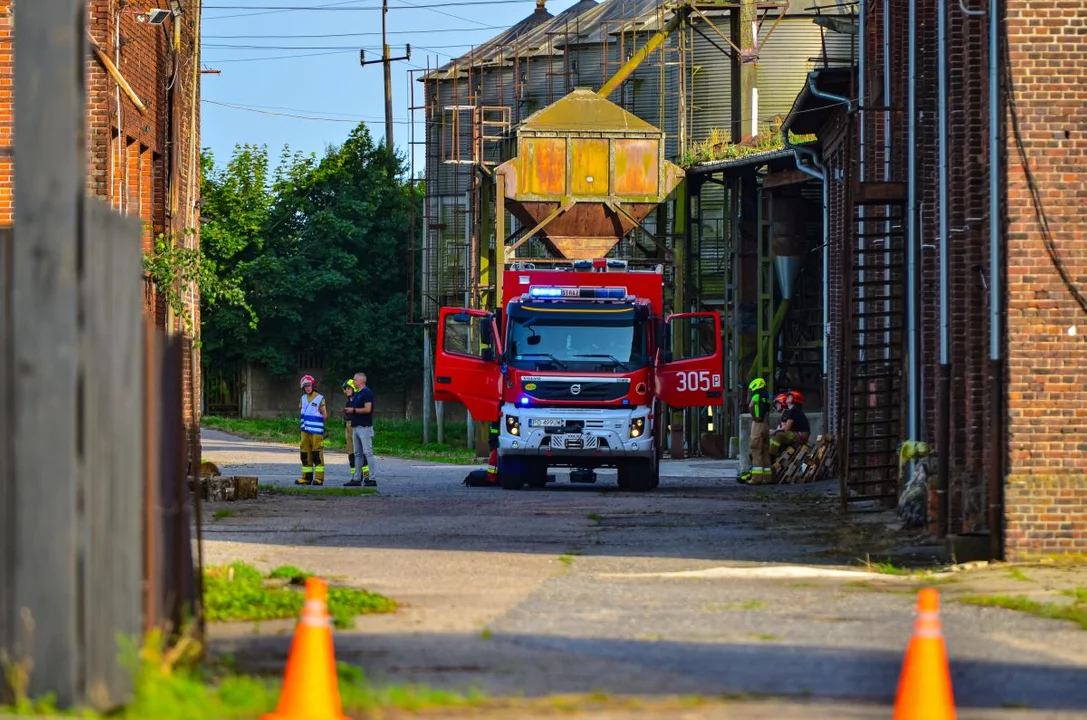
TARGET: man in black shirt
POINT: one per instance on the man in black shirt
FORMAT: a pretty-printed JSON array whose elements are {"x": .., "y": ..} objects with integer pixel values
[
  {"x": 795, "y": 429},
  {"x": 360, "y": 411}
]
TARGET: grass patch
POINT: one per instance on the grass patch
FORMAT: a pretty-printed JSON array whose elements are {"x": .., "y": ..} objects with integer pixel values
[
  {"x": 595, "y": 517},
  {"x": 394, "y": 438},
  {"x": 317, "y": 492},
  {"x": 1075, "y": 611},
  {"x": 239, "y": 592},
  {"x": 747, "y": 605},
  {"x": 1017, "y": 574},
  {"x": 224, "y": 513},
  {"x": 566, "y": 560},
  {"x": 169, "y": 685},
  {"x": 766, "y": 637}
]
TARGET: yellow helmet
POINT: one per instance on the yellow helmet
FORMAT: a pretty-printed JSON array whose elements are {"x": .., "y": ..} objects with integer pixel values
[{"x": 756, "y": 385}]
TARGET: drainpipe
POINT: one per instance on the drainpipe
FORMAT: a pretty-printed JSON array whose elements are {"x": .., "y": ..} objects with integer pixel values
[
  {"x": 944, "y": 407},
  {"x": 912, "y": 232},
  {"x": 820, "y": 175},
  {"x": 862, "y": 98},
  {"x": 996, "y": 374}
]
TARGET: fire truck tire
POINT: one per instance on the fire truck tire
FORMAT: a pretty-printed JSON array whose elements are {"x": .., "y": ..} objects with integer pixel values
[
  {"x": 639, "y": 475},
  {"x": 536, "y": 474},
  {"x": 511, "y": 474}
]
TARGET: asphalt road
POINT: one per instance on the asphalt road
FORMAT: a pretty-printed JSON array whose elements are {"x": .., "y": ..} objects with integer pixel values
[{"x": 704, "y": 587}]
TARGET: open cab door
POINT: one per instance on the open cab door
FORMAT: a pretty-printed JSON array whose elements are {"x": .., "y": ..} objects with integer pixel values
[
  {"x": 690, "y": 361},
  {"x": 466, "y": 368}
]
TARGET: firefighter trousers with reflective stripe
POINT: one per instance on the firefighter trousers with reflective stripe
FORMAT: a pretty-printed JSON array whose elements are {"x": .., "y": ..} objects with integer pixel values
[
  {"x": 313, "y": 457},
  {"x": 760, "y": 447}
]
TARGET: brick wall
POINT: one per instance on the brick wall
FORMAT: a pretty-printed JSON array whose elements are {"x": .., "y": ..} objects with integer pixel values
[
  {"x": 7, "y": 114},
  {"x": 1046, "y": 491},
  {"x": 141, "y": 163}
]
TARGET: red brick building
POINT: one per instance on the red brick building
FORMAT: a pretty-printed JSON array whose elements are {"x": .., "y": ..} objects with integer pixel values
[
  {"x": 143, "y": 123},
  {"x": 1007, "y": 426}
]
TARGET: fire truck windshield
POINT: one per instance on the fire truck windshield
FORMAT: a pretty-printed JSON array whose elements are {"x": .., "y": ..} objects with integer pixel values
[{"x": 576, "y": 336}]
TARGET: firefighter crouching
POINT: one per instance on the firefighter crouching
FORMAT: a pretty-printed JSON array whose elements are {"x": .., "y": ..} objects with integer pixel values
[
  {"x": 313, "y": 416},
  {"x": 759, "y": 406},
  {"x": 794, "y": 429}
]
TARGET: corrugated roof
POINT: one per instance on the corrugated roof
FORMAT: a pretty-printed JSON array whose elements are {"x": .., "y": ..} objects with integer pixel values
[
  {"x": 584, "y": 23},
  {"x": 530, "y": 36},
  {"x": 583, "y": 109}
]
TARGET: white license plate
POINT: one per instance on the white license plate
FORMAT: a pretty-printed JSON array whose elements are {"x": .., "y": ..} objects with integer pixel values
[{"x": 546, "y": 422}]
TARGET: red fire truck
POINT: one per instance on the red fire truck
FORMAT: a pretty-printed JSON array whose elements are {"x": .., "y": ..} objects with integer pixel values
[{"x": 576, "y": 369}]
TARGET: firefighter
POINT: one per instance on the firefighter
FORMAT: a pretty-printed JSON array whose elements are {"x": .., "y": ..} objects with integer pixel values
[
  {"x": 349, "y": 437},
  {"x": 492, "y": 461},
  {"x": 759, "y": 406},
  {"x": 794, "y": 429},
  {"x": 313, "y": 415}
]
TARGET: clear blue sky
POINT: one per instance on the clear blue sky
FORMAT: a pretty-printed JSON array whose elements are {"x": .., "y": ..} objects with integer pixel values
[{"x": 305, "y": 62}]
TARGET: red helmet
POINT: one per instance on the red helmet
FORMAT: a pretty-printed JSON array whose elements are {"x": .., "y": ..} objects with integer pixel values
[
  {"x": 797, "y": 396},
  {"x": 307, "y": 380},
  {"x": 780, "y": 399}
]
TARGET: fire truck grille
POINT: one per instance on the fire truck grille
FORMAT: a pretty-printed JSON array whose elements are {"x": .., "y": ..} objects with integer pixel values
[{"x": 587, "y": 391}]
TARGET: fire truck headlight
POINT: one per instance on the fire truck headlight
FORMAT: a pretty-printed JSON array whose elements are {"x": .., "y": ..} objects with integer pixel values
[
  {"x": 513, "y": 425},
  {"x": 637, "y": 427}
]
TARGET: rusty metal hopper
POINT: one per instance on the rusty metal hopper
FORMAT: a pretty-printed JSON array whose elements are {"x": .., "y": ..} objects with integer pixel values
[{"x": 586, "y": 172}]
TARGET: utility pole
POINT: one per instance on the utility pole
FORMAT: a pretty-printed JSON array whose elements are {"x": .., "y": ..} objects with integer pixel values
[
  {"x": 743, "y": 34},
  {"x": 387, "y": 61}
]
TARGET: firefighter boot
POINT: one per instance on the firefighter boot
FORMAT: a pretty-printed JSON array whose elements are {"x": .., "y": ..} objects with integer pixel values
[
  {"x": 319, "y": 467},
  {"x": 307, "y": 470}
]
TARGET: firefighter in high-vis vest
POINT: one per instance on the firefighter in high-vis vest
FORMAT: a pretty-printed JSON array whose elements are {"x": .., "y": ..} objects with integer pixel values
[
  {"x": 759, "y": 406},
  {"x": 492, "y": 462},
  {"x": 349, "y": 389},
  {"x": 314, "y": 413}
]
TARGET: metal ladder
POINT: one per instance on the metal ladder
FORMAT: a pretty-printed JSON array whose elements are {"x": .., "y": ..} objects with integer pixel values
[{"x": 875, "y": 337}]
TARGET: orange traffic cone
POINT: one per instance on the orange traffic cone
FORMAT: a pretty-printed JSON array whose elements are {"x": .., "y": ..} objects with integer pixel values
[
  {"x": 311, "y": 690},
  {"x": 924, "y": 688}
]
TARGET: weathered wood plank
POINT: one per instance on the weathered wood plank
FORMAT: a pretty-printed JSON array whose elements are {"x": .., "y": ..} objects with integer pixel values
[
  {"x": 49, "y": 178},
  {"x": 7, "y": 486},
  {"x": 113, "y": 449}
]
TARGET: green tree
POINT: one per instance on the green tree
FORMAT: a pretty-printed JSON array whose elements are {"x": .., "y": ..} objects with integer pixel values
[
  {"x": 340, "y": 229},
  {"x": 322, "y": 251},
  {"x": 235, "y": 204}
]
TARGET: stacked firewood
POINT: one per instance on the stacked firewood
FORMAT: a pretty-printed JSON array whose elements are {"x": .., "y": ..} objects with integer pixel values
[{"x": 806, "y": 463}]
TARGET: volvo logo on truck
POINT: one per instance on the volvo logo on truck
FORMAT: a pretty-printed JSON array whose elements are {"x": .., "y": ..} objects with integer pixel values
[{"x": 575, "y": 389}]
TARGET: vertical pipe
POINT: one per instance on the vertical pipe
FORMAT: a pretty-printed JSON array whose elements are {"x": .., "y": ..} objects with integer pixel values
[
  {"x": 912, "y": 232},
  {"x": 428, "y": 387},
  {"x": 862, "y": 100},
  {"x": 996, "y": 413},
  {"x": 944, "y": 410},
  {"x": 888, "y": 102}
]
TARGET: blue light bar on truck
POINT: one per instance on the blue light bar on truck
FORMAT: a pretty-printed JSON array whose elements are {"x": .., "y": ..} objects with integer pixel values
[{"x": 591, "y": 293}]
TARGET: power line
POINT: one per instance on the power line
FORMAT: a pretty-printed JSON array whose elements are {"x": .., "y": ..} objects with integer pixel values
[
  {"x": 354, "y": 121},
  {"x": 282, "y": 57},
  {"x": 344, "y": 35},
  {"x": 326, "y": 8},
  {"x": 339, "y": 48},
  {"x": 272, "y": 12}
]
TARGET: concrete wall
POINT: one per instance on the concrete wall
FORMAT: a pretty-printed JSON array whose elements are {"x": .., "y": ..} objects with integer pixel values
[{"x": 264, "y": 396}]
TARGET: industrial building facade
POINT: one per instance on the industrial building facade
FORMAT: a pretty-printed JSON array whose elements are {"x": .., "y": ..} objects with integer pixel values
[
  {"x": 874, "y": 239},
  {"x": 143, "y": 120}
]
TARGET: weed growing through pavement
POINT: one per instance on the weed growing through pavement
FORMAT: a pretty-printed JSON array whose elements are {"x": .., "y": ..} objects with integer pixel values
[
  {"x": 224, "y": 513},
  {"x": 1074, "y": 611},
  {"x": 239, "y": 592},
  {"x": 1019, "y": 575}
]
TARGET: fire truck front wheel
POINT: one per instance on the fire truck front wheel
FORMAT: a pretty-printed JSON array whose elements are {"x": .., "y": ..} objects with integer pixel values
[
  {"x": 639, "y": 475},
  {"x": 511, "y": 472}
]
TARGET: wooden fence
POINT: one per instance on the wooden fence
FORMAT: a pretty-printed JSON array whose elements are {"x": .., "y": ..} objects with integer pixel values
[{"x": 94, "y": 527}]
